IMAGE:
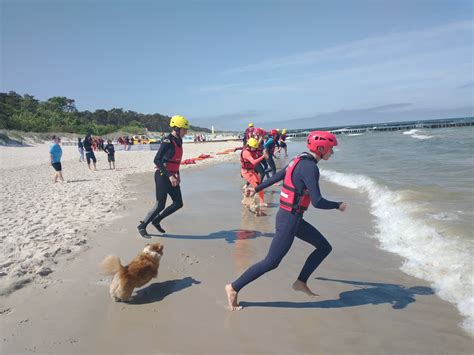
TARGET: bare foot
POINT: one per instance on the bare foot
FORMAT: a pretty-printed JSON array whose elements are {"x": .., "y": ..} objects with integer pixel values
[
  {"x": 232, "y": 298},
  {"x": 301, "y": 286}
]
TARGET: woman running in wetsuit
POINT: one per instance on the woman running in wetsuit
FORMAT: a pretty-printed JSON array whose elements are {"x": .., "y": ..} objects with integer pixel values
[
  {"x": 300, "y": 188},
  {"x": 167, "y": 178}
]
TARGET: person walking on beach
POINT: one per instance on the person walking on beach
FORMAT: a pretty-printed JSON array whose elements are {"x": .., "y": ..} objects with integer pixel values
[
  {"x": 110, "y": 150},
  {"x": 300, "y": 188},
  {"x": 55, "y": 153},
  {"x": 80, "y": 148},
  {"x": 88, "y": 147},
  {"x": 167, "y": 178}
]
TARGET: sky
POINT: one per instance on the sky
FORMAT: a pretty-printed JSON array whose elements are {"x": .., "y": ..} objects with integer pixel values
[{"x": 227, "y": 63}]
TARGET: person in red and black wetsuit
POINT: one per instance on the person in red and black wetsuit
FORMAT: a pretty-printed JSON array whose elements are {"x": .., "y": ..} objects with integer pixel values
[
  {"x": 167, "y": 179},
  {"x": 300, "y": 188}
]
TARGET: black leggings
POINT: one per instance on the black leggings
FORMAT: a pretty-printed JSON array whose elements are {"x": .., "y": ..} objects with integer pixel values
[
  {"x": 271, "y": 162},
  {"x": 163, "y": 188},
  {"x": 288, "y": 226}
]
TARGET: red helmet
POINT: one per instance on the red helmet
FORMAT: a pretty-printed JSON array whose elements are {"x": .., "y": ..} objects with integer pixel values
[
  {"x": 258, "y": 131},
  {"x": 273, "y": 132},
  {"x": 323, "y": 139}
]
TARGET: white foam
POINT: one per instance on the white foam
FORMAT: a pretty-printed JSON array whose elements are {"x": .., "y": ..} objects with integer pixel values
[
  {"x": 413, "y": 133},
  {"x": 442, "y": 260},
  {"x": 444, "y": 216}
]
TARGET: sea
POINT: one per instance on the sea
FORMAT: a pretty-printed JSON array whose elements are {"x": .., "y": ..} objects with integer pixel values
[{"x": 420, "y": 184}]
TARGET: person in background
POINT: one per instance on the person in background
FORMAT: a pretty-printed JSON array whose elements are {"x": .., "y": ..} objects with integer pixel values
[
  {"x": 80, "y": 147},
  {"x": 248, "y": 133},
  {"x": 300, "y": 189},
  {"x": 110, "y": 150},
  {"x": 55, "y": 153},
  {"x": 282, "y": 143},
  {"x": 88, "y": 147}
]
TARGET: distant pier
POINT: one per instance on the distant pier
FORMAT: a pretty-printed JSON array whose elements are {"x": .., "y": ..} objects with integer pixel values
[{"x": 383, "y": 127}]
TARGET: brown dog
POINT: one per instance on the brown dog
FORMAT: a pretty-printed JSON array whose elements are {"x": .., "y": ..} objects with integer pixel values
[{"x": 137, "y": 273}]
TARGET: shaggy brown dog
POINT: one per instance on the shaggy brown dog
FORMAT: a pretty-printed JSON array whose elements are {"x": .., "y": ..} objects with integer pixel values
[{"x": 141, "y": 270}]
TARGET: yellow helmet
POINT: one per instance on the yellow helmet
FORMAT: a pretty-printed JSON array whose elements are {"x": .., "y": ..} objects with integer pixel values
[
  {"x": 252, "y": 143},
  {"x": 179, "y": 121},
  {"x": 284, "y": 131},
  {"x": 250, "y": 124}
]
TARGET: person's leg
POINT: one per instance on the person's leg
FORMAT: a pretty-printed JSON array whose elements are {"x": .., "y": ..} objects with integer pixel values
[
  {"x": 311, "y": 235},
  {"x": 261, "y": 171},
  {"x": 88, "y": 157},
  {"x": 162, "y": 186},
  {"x": 175, "y": 194},
  {"x": 286, "y": 226},
  {"x": 94, "y": 160},
  {"x": 60, "y": 172},
  {"x": 265, "y": 167},
  {"x": 272, "y": 165}
]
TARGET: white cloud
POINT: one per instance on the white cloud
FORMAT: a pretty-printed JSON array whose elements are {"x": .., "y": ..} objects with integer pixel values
[{"x": 375, "y": 46}]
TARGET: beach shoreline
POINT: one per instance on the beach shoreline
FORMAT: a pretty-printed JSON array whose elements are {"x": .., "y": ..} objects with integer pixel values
[{"x": 366, "y": 304}]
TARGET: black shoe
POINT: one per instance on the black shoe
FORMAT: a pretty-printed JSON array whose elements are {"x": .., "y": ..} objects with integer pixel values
[
  {"x": 142, "y": 230},
  {"x": 157, "y": 226}
]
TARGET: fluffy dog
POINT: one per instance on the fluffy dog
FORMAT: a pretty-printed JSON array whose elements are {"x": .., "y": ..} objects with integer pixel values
[{"x": 137, "y": 273}]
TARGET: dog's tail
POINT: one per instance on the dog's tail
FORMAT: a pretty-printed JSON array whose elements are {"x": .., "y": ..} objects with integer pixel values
[{"x": 111, "y": 265}]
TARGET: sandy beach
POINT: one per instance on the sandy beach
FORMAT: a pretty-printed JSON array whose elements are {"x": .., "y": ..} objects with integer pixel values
[
  {"x": 366, "y": 304},
  {"x": 42, "y": 222}
]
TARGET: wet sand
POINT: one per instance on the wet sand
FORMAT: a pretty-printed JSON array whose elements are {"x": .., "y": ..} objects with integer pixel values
[{"x": 366, "y": 304}]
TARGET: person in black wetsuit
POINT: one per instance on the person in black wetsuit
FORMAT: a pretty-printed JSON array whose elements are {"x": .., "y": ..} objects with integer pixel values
[
  {"x": 167, "y": 178},
  {"x": 300, "y": 188},
  {"x": 89, "y": 151}
]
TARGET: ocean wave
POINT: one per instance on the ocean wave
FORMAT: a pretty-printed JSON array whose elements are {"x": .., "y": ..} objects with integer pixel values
[
  {"x": 439, "y": 259},
  {"x": 413, "y": 133}
]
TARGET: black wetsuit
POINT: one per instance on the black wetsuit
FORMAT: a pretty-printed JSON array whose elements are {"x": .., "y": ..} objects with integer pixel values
[
  {"x": 163, "y": 186},
  {"x": 288, "y": 225},
  {"x": 89, "y": 151}
]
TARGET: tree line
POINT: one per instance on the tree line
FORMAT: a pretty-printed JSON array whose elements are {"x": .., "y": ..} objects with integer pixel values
[{"x": 59, "y": 114}]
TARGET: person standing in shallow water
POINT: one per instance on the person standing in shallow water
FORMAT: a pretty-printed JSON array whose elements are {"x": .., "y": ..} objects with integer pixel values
[
  {"x": 300, "y": 188},
  {"x": 167, "y": 178}
]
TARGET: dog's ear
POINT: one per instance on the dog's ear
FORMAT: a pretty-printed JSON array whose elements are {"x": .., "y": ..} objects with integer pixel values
[{"x": 160, "y": 249}]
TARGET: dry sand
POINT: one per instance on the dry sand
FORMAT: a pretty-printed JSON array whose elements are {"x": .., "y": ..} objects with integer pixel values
[
  {"x": 366, "y": 305},
  {"x": 42, "y": 222}
]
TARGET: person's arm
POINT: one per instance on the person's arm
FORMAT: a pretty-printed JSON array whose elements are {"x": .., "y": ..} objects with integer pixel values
[
  {"x": 309, "y": 173},
  {"x": 248, "y": 156},
  {"x": 274, "y": 179},
  {"x": 166, "y": 147}
]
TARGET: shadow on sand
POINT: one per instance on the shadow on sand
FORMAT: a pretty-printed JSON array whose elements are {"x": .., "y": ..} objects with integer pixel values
[
  {"x": 229, "y": 236},
  {"x": 159, "y": 290},
  {"x": 366, "y": 293}
]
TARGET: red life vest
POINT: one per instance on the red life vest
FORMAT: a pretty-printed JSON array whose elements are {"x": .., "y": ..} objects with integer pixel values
[
  {"x": 290, "y": 199},
  {"x": 245, "y": 163},
  {"x": 172, "y": 164}
]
